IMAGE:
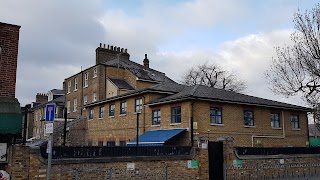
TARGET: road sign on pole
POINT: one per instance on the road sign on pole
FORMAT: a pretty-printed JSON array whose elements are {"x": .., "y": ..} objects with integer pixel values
[{"x": 50, "y": 112}]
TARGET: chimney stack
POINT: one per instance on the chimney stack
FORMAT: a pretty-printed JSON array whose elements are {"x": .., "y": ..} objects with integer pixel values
[
  {"x": 108, "y": 52},
  {"x": 146, "y": 62},
  {"x": 41, "y": 97}
]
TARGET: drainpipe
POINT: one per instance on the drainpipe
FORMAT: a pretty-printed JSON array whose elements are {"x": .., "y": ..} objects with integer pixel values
[
  {"x": 275, "y": 137},
  {"x": 144, "y": 115}
]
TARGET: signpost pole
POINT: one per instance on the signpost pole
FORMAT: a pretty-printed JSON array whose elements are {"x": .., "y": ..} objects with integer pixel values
[
  {"x": 49, "y": 151},
  {"x": 50, "y": 108}
]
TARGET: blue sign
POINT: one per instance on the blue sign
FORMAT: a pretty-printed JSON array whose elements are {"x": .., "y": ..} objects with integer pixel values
[{"x": 50, "y": 108}]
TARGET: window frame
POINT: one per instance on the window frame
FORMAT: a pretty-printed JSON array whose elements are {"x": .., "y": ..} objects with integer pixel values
[
  {"x": 111, "y": 143},
  {"x": 75, "y": 103},
  {"x": 156, "y": 120},
  {"x": 69, "y": 87},
  {"x": 91, "y": 114},
  {"x": 85, "y": 99},
  {"x": 101, "y": 112},
  {"x": 112, "y": 111},
  {"x": 95, "y": 72},
  {"x": 273, "y": 120},
  {"x": 75, "y": 84},
  {"x": 246, "y": 118},
  {"x": 68, "y": 107},
  {"x": 138, "y": 106},
  {"x": 213, "y": 117},
  {"x": 176, "y": 115},
  {"x": 94, "y": 98},
  {"x": 297, "y": 122},
  {"x": 123, "y": 108},
  {"x": 86, "y": 79}
]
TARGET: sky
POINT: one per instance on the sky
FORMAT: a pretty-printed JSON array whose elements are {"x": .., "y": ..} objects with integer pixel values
[{"x": 58, "y": 37}]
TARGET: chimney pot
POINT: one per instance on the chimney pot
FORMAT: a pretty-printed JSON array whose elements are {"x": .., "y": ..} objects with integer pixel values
[
  {"x": 146, "y": 62},
  {"x": 100, "y": 44},
  {"x": 121, "y": 50},
  {"x": 104, "y": 45},
  {"x": 118, "y": 49},
  {"x": 125, "y": 50},
  {"x": 111, "y": 47},
  {"x": 108, "y": 47}
]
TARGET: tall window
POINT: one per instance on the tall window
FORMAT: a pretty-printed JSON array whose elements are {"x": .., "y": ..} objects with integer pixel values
[
  {"x": 156, "y": 117},
  {"x": 176, "y": 114},
  {"x": 111, "y": 109},
  {"x": 91, "y": 113},
  {"x": 94, "y": 97},
  {"x": 111, "y": 143},
  {"x": 215, "y": 115},
  {"x": 248, "y": 118},
  {"x": 138, "y": 105},
  {"x": 295, "y": 121},
  {"x": 68, "y": 106},
  {"x": 75, "y": 84},
  {"x": 85, "y": 80},
  {"x": 74, "y": 105},
  {"x": 101, "y": 112},
  {"x": 85, "y": 99},
  {"x": 275, "y": 120},
  {"x": 69, "y": 86},
  {"x": 123, "y": 107},
  {"x": 95, "y": 72}
]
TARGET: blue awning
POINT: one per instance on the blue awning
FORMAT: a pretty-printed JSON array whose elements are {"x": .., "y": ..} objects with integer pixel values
[{"x": 156, "y": 137}]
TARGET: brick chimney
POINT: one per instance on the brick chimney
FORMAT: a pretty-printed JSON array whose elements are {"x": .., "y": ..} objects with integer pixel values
[
  {"x": 106, "y": 53},
  {"x": 9, "y": 42},
  {"x": 146, "y": 62},
  {"x": 41, "y": 97}
]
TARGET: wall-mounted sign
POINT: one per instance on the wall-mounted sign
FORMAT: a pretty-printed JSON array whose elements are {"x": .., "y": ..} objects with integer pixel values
[
  {"x": 193, "y": 163},
  {"x": 195, "y": 125},
  {"x": 131, "y": 166},
  {"x": 237, "y": 163},
  {"x": 3, "y": 152}
]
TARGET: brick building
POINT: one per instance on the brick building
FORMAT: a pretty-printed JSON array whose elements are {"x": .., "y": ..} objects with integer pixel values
[
  {"x": 120, "y": 99},
  {"x": 10, "y": 113}
]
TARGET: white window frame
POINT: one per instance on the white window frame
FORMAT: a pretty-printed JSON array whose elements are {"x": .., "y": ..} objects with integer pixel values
[
  {"x": 94, "y": 99},
  {"x": 69, "y": 87},
  {"x": 75, "y": 84},
  {"x": 86, "y": 75},
  {"x": 68, "y": 106},
  {"x": 85, "y": 99},
  {"x": 95, "y": 72},
  {"x": 75, "y": 102}
]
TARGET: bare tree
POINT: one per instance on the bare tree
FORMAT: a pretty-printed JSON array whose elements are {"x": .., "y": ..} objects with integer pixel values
[
  {"x": 213, "y": 76},
  {"x": 296, "y": 70}
]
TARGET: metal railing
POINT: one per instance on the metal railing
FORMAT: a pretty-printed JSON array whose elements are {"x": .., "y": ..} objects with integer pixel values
[
  {"x": 277, "y": 151},
  {"x": 117, "y": 151}
]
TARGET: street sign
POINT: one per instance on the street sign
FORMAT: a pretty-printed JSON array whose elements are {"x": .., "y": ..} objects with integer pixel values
[
  {"x": 50, "y": 112},
  {"x": 49, "y": 128}
]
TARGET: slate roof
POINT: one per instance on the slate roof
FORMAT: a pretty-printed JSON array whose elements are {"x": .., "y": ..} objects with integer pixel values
[
  {"x": 138, "y": 70},
  {"x": 58, "y": 101},
  {"x": 209, "y": 93},
  {"x": 57, "y": 91},
  {"x": 121, "y": 83}
]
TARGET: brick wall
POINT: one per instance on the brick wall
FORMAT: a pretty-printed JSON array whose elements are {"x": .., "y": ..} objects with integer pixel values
[{"x": 9, "y": 40}]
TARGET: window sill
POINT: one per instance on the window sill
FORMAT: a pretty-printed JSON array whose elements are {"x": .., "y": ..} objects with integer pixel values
[
  {"x": 279, "y": 128},
  {"x": 100, "y": 118},
  {"x": 85, "y": 86},
  {"x": 214, "y": 124},
  {"x": 174, "y": 124},
  {"x": 111, "y": 116},
  {"x": 90, "y": 119},
  {"x": 246, "y": 126},
  {"x": 68, "y": 92},
  {"x": 94, "y": 77},
  {"x": 155, "y": 125},
  {"x": 75, "y": 111},
  {"x": 75, "y": 90},
  {"x": 122, "y": 115},
  {"x": 296, "y": 129}
]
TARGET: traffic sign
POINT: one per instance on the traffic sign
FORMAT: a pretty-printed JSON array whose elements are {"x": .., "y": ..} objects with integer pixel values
[
  {"x": 50, "y": 112},
  {"x": 49, "y": 128}
]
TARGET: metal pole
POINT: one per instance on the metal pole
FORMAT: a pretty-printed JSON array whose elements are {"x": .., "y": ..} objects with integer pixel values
[
  {"x": 65, "y": 127},
  {"x": 49, "y": 151},
  {"x": 25, "y": 125},
  {"x": 137, "y": 128}
]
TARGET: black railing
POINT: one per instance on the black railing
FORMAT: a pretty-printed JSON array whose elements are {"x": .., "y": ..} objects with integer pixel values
[
  {"x": 277, "y": 151},
  {"x": 117, "y": 151}
]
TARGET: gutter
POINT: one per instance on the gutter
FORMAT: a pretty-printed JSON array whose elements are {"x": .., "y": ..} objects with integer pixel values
[{"x": 275, "y": 137}]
